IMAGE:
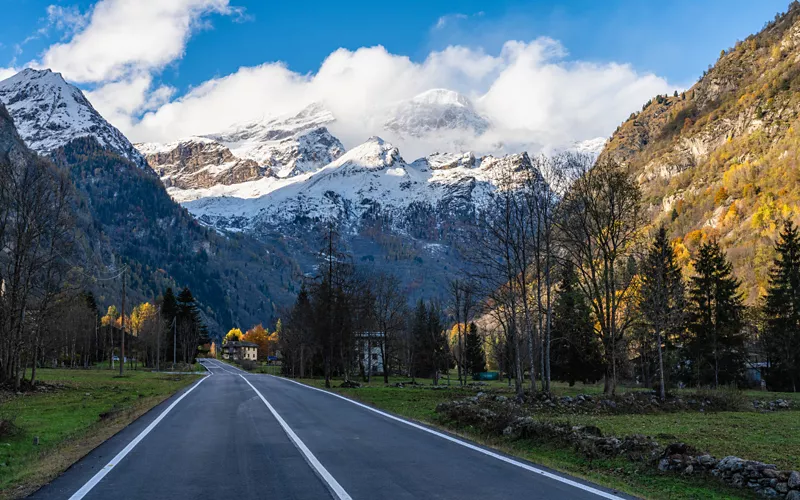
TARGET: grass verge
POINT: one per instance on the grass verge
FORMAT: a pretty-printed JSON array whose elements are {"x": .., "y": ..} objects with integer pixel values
[
  {"x": 77, "y": 412},
  {"x": 761, "y": 436}
]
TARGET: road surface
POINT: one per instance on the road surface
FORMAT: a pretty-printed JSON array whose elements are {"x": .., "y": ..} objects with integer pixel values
[{"x": 243, "y": 436}]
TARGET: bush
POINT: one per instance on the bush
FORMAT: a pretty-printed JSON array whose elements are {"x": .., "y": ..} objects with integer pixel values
[
  {"x": 248, "y": 364},
  {"x": 727, "y": 398},
  {"x": 8, "y": 425}
]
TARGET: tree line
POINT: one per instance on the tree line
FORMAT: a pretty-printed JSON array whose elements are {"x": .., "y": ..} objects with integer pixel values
[
  {"x": 47, "y": 265},
  {"x": 580, "y": 288},
  {"x": 355, "y": 323},
  {"x": 566, "y": 281}
]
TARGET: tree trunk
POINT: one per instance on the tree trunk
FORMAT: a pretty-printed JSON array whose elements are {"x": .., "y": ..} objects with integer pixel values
[{"x": 663, "y": 390}]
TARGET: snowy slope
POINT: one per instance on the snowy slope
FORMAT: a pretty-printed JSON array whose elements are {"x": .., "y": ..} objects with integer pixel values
[
  {"x": 199, "y": 162},
  {"x": 278, "y": 147},
  {"x": 370, "y": 179},
  {"x": 291, "y": 144},
  {"x": 591, "y": 147},
  {"x": 435, "y": 111},
  {"x": 49, "y": 112}
]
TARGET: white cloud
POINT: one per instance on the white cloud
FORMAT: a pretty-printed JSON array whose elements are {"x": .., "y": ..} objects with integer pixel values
[
  {"x": 444, "y": 20},
  {"x": 124, "y": 37},
  {"x": 119, "y": 102},
  {"x": 533, "y": 97},
  {"x": 69, "y": 20},
  {"x": 7, "y": 73}
]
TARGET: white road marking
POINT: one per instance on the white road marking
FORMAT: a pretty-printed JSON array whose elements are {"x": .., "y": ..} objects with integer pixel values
[
  {"x": 326, "y": 476},
  {"x": 465, "y": 444},
  {"x": 221, "y": 366},
  {"x": 86, "y": 488}
]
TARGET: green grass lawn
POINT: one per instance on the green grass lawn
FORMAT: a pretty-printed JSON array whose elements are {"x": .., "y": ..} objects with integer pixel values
[
  {"x": 68, "y": 422},
  {"x": 771, "y": 437},
  {"x": 768, "y": 437}
]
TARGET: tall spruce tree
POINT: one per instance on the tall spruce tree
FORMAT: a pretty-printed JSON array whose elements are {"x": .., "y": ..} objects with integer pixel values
[
  {"x": 662, "y": 299},
  {"x": 429, "y": 341},
  {"x": 476, "y": 356},
  {"x": 169, "y": 313},
  {"x": 189, "y": 325},
  {"x": 576, "y": 352},
  {"x": 422, "y": 364},
  {"x": 715, "y": 345},
  {"x": 782, "y": 311}
]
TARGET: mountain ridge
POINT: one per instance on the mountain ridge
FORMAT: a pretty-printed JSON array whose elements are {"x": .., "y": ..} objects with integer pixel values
[
  {"x": 719, "y": 161},
  {"x": 49, "y": 113}
]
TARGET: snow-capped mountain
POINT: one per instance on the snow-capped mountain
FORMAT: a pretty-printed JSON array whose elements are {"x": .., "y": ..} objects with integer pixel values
[
  {"x": 291, "y": 145},
  {"x": 407, "y": 218},
  {"x": 368, "y": 182},
  {"x": 199, "y": 162},
  {"x": 279, "y": 147},
  {"x": 49, "y": 113},
  {"x": 591, "y": 147},
  {"x": 434, "y": 112}
]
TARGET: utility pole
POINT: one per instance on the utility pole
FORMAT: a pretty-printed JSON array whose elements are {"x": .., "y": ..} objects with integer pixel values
[
  {"x": 111, "y": 341},
  {"x": 122, "y": 336},
  {"x": 158, "y": 341},
  {"x": 174, "y": 341}
]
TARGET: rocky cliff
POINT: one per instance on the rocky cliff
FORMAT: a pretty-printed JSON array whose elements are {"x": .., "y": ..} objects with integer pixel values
[{"x": 720, "y": 160}]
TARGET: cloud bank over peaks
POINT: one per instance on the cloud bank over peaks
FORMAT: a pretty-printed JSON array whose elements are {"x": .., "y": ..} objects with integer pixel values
[
  {"x": 532, "y": 97},
  {"x": 527, "y": 96}
]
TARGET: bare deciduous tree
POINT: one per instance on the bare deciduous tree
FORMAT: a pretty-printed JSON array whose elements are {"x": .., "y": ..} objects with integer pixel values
[{"x": 598, "y": 223}]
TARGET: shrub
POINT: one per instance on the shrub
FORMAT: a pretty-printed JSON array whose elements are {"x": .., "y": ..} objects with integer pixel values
[
  {"x": 248, "y": 364},
  {"x": 8, "y": 426}
]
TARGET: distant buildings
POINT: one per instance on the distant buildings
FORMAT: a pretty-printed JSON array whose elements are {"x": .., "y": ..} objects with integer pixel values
[{"x": 240, "y": 351}]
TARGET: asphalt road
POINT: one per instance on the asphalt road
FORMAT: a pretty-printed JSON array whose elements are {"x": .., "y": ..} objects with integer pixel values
[{"x": 241, "y": 436}]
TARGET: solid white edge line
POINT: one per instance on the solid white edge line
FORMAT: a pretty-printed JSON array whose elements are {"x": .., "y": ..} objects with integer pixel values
[
  {"x": 320, "y": 469},
  {"x": 86, "y": 488},
  {"x": 465, "y": 444}
]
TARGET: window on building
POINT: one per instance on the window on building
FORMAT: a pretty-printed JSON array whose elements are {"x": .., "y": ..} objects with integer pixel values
[{"x": 374, "y": 356}]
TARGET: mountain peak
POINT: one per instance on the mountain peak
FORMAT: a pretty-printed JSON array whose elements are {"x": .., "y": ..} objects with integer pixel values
[
  {"x": 289, "y": 145},
  {"x": 442, "y": 97},
  {"x": 374, "y": 154},
  {"x": 49, "y": 113},
  {"x": 434, "y": 112}
]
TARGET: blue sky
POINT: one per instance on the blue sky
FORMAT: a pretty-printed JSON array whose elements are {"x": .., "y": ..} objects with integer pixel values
[
  {"x": 675, "y": 39},
  {"x": 637, "y": 47}
]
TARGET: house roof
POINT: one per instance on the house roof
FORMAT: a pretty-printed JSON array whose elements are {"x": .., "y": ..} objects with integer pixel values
[{"x": 237, "y": 343}]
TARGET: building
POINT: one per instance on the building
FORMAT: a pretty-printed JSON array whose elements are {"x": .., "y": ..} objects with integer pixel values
[
  {"x": 240, "y": 351},
  {"x": 370, "y": 348}
]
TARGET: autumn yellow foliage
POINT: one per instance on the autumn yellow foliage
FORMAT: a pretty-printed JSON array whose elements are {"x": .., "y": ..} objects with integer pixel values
[{"x": 234, "y": 334}]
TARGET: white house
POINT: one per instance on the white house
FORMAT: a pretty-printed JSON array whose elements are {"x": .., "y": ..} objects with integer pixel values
[{"x": 369, "y": 346}]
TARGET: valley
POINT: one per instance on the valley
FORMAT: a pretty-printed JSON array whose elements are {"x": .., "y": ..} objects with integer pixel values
[{"x": 492, "y": 271}]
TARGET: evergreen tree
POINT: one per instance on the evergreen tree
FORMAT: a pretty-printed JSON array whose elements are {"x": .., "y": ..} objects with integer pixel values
[
  {"x": 189, "y": 325},
  {"x": 429, "y": 341},
  {"x": 438, "y": 340},
  {"x": 576, "y": 352},
  {"x": 169, "y": 306},
  {"x": 91, "y": 303},
  {"x": 476, "y": 357},
  {"x": 716, "y": 343},
  {"x": 421, "y": 363},
  {"x": 782, "y": 311},
  {"x": 662, "y": 301},
  {"x": 169, "y": 313}
]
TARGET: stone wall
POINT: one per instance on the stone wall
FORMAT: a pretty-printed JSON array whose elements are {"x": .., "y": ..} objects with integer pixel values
[{"x": 499, "y": 415}]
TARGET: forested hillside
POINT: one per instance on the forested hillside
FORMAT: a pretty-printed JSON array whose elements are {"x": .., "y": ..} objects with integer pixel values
[
  {"x": 123, "y": 216},
  {"x": 720, "y": 160},
  {"x": 231, "y": 276}
]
